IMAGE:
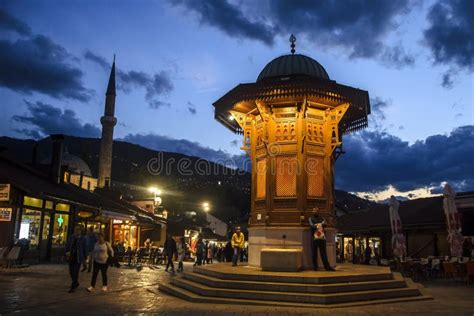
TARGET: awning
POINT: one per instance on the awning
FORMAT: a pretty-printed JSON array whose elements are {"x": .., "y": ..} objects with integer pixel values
[{"x": 115, "y": 215}]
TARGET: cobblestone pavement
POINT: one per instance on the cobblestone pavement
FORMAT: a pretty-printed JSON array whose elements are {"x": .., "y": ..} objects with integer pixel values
[{"x": 42, "y": 290}]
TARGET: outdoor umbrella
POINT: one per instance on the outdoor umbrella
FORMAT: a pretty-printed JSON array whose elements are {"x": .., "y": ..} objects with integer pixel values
[
  {"x": 453, "y": 222},
  {"x": 398, "y": 239}
]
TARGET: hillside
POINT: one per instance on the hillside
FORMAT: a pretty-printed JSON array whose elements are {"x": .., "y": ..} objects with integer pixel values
[{"x": 185, "y": 181}]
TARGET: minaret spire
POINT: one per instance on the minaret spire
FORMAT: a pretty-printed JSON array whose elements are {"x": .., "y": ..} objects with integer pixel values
[
  {"x": 108, "y": 122},
  {"x": 111, "y": 85}
]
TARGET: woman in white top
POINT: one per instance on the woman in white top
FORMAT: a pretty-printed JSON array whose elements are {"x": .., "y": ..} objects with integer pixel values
[{"x": 100, "y": 254}]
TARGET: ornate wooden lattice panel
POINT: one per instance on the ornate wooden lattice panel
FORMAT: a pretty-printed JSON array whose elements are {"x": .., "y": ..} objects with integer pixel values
[
  {"x": 261, "y": 178},
  {"x": 314, "y": 132},
  {"x": 286, "y": 171},
  {"x": 285, "y": 131},
  {"x": 314, "y": 169}
]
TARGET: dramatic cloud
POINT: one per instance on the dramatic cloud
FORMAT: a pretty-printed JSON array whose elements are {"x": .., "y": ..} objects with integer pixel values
[
  {"x": 451, "y": 33},
  {"x": 46, "y": 119},
  {"x": 155, "y": 85},
  {"x": 37, "y": 64},
  {"x": 229, "y": 19},
  {"x": 10, "y": 23},
  {"x": 357, "y": 27},
  {"x": 191, "y": 108},
  {"x": 375, "y": 160},
  {"x": 183, "y": 146}
]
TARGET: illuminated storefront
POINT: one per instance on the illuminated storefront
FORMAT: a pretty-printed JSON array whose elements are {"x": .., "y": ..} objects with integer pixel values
[
  {"x": 351, "y": 248},
  {"x": 44, "y": 224},
  {"x": 127, "y": 232}
]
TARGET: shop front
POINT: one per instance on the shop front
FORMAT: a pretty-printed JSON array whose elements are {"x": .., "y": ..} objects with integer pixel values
[
  {"x": 126, "y": 232},
  {"x": 351, "y": 248},
  {"x": 44, "y": 226}
]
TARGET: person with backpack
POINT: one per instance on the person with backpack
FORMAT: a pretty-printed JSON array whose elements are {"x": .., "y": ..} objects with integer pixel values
[{"x": 101, "y": 254}]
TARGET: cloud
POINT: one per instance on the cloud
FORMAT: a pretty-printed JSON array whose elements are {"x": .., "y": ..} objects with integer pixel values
[
  {"x": 10, "y": 23},
  {"x": 37, "y": 64},
  {"x": 378, "y": 107},
  {"x": 229, "y": 19},
  {"x": 186, "y": 147},
  {"x": 397, "y": 57},
  {"x": 155, "y": 85},
  {"x": 191, "y": 108},
  {"x": 447, "y": 80},
  {"x": 377, "y": 117},
  {"x": 450, "y": 35},
  {"x": 46, "y": 119},
  {"x": 359, "y": 28},
  {"x": 374, "y": 160}
]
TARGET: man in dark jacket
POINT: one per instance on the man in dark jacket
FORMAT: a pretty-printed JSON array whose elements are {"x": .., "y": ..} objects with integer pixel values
[
  {"x": 318, "y": 240},
  {"x": 170, "y": 250},
  {"x": 76, "y": 253}
]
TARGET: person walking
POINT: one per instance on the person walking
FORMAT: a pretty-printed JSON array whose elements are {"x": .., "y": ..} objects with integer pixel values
[
  {"x": 75, "y": 254},
  {"x": 181, "y": 247},
  {"x": 101, "y": 253},
  {"x": 318, "y": 240},
  {"x": 199, "y": 252},
  {"x": 238, "y": 243},
  {"x": 170, "y": 250},
  {"x": 210, "y": 253},
  {"x": 91, "y": 239}
]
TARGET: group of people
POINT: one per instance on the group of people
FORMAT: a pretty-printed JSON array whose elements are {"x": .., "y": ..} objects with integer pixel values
[
  {"x": 91, "y": 246},
  {"x": 99, "y": 254},
  {"x": 205, "y": 252}
]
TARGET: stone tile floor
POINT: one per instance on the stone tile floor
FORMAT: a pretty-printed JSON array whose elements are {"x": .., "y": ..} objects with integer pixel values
[{"x": 42, "y": 290}]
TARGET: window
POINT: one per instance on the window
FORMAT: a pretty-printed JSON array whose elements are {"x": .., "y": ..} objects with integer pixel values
[
  {"x": 261, "y": 176},
  {"x": 62, "y": 207},
  {"x": 49, "y": 205},
  {"x": 46, "y": 223},
  {"x": 61, "y": 222},
  {"x": 30, "y": 201},
  {"x": 30, "y": 226}
]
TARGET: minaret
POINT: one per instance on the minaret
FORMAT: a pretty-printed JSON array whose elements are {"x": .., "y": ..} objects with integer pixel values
[{"x": 108, "y": 122}]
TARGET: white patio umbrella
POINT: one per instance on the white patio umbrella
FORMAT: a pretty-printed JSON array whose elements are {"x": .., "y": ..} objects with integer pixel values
[
  {"x": 453, "y": 221},
  {"x": 398, "y": 239}
]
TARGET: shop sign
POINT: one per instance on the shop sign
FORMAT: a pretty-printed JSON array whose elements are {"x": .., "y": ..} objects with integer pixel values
[
  {"x": 5, "y": 214},
  {"x": 4, "y": 192},
  {"x": 117, "y": 221}
]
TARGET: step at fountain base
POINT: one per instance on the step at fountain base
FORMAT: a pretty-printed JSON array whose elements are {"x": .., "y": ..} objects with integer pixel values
[{"x": 350, "y": 285}]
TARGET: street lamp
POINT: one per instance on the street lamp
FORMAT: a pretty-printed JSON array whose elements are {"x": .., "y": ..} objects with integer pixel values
[
  {"x": 156, "y": 197},
  {"x": 155, "y": 191},
  {"x": 206, "y": 207}
]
